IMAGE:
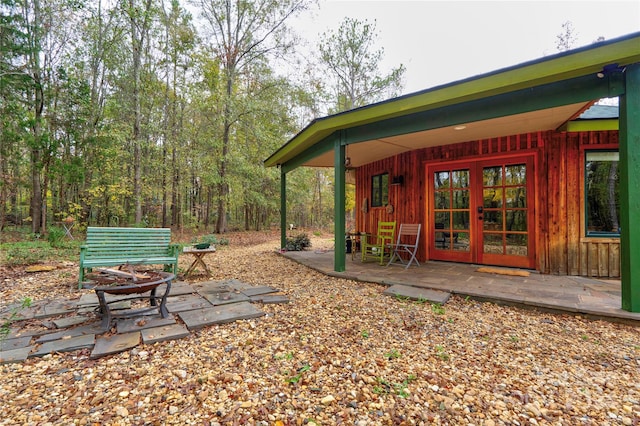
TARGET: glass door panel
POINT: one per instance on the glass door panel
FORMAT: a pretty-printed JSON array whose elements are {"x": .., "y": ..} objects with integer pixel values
[
  {"x": 505, "y": 214},
  {"x": 450, "y": 236}
]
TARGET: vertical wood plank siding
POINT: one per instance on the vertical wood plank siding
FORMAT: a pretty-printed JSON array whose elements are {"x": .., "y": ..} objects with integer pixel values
[{"x": 561, "y": 245}]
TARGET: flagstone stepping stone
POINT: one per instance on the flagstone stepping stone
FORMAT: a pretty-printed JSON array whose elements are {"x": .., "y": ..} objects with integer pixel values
[
  {"x": 417, "y": 293},
  {"x": 225, "y": 297},
  {"x": 270, "y": 299},
  {"x": 219, "y": 315},
  {"x": 71, "y": 321},
  {"x": 164, "y": 333},
  {"x": 179, "y": 288},
  {"x": 136, "y": 324},
  {"x": 124, "y": 304},
  {"x": 84, "y": 330},
  {"x": 59, "y": 307},
  {"x": 17, "y": 343},
  {"x": 212, "y": 286},
  {"x": 187, "y": 303},
  {"x": 40, "y": 268},
  {"x": 65, "y": 345},
  {"x": 114, "y": 344},
  {"x": 87, "y": 299},
  {"x": 254, "y": 291},
  {"x": 15, "y": 355}
]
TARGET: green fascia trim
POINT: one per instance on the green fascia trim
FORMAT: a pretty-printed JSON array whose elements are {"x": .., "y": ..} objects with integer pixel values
[
  {"x": 313, "y": 152},
  {"x": 563, "y": 66},
  {"x": 582, "y": 89},
  {"x": 591, "y": 125}
]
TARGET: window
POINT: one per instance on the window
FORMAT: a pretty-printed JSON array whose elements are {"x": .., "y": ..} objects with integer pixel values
[
  {"x": 602, "y": 181},
  {"x": 380, "y": 190}
]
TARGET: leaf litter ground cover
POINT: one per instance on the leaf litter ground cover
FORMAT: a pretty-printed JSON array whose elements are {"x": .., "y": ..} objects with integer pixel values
[{"x": 340, "y": 352}]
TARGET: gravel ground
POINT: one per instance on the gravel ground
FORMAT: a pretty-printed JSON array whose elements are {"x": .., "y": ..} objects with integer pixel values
[{"x": 339, "y": 353}]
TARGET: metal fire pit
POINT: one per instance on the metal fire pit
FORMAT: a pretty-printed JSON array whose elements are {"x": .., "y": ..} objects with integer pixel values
[{"x": 117, "y": 285}]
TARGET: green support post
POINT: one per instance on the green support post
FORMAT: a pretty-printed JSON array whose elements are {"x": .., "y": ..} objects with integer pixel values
[
  {"x": 283, "y": 208},
  {"x": 629, "y": 185},
  {"x": 339, "y": 204}
]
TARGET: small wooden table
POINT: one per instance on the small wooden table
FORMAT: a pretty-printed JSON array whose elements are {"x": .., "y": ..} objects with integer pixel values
[{"x": 199, "y": 259}]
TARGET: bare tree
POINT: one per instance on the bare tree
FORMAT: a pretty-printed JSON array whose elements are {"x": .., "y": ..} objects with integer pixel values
[{"x": 243, "y": 33}]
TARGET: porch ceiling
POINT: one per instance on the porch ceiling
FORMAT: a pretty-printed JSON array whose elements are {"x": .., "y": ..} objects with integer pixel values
[{"x": 378, "y": 149}]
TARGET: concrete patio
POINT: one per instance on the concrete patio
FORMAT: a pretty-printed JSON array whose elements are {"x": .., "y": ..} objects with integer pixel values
[{"x": 576, "y": 295}]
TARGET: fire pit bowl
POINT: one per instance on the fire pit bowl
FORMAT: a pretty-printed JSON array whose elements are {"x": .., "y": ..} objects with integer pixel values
[
  {"x": 144, "y": 281},
  {"x": 117, "y": 283}
]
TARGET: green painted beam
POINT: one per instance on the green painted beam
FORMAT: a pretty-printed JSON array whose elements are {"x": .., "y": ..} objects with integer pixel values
[
  {"x": 581, "y": 89},
  {"x": 283, "y": 209},
  {"x": 339, "y": 202},
  {"x": 316, "y": 150},
  {"x": 629, "y": 184},
  {"x": 591, "y": 125}
]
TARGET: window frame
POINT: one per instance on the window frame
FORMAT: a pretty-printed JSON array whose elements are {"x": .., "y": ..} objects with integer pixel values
[
  {"x": 587, "y": 232},
  {"x": 380, "y": 191}
]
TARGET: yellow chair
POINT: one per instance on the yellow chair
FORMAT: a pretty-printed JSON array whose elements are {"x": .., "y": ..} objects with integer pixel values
[{"x": 377, "y": 246}]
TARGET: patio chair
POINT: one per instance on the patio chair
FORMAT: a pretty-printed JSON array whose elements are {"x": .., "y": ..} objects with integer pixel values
[
  {"x": 406, "y": 246},
  {"x": 377, "y": 246}
]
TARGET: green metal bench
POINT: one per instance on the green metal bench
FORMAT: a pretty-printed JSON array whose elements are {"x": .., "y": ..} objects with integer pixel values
[{"x": 133, "y": 246}]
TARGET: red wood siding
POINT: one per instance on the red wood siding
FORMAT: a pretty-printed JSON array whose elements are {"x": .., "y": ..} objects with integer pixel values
[{"x": 561, "y": 247}]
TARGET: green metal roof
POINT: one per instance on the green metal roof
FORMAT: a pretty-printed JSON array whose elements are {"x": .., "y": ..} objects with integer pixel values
[{"x": 556, "y": 68}]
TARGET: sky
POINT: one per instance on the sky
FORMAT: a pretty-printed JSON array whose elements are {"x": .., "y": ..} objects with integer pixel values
[{"x": 440, "y": 42}]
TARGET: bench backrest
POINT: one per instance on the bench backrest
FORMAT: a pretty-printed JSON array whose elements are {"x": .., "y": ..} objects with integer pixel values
[{"x": 123, "y": 243}]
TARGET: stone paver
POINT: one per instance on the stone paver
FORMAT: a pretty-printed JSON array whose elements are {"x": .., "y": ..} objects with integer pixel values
[
  {"x": 226, "y": 297},
  {"x": 255, "y": 291},
  {"x": 15, "y": 355},
  {"x": 186, "y": 303},
  {"x": 417, "y": 293},
  {"x": 83, "y": 330},
  {"x": 164, "y": 333},
  {"x": 17, "y": 343},
  {"x": 78, "y": 322},
  {"x": 140, "y": 323},
  {"x": 219, "y": 315},
  {"x": 70, "y": 321},
  {"x": 270, "y": 299},
  {"x": 107, "y": 345},
  {"x": 65, "y": 345}
]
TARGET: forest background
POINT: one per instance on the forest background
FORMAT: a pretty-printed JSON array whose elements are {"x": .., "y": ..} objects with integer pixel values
[{"x": 161, "y": 112}]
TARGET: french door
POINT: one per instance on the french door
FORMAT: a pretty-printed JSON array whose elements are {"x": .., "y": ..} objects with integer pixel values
[{"x": 482, "y": 212}]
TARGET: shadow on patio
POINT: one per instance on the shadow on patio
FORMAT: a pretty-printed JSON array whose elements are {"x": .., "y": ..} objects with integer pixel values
[{"x": 569, "y": 294}]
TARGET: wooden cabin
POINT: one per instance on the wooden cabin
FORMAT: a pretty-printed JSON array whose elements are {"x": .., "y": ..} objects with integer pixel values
[{"x": 508, "y": 168}]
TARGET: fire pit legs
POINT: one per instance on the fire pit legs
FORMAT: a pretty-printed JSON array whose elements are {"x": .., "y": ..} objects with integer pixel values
[{"x": 108, "y": 315}]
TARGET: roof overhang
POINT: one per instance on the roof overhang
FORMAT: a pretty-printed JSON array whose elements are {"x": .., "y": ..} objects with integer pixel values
[{"x": 534, "y": 96}]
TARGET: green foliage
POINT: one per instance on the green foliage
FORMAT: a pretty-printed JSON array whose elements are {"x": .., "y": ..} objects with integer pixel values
[
  {"x": 297, "y": 377},
  {"x": 298, "y": 243},
  {"x": 33, "y": 252},
  {"x": 400, "y": 389},
  {"x": 441, "y": 353},
  {"x": 437, "y": 309},
  {"x": 353, "y": 65},
  {"x": 393, "y": 354},
  {"x": 211, "y": 239},
  {"x": 5, "y": 328},
  {"x": 55, "y": 236}
]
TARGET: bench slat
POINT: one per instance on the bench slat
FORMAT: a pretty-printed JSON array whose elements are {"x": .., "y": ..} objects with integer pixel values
[{"x": 118, "y": 246}]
